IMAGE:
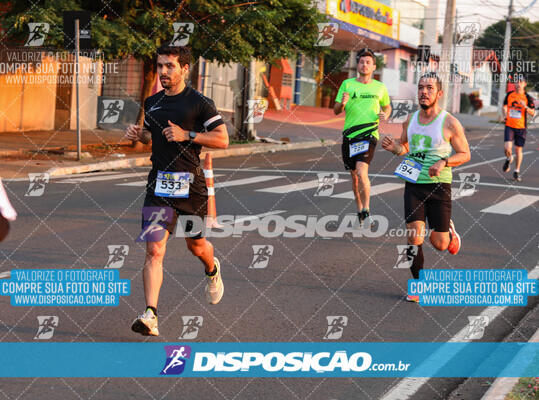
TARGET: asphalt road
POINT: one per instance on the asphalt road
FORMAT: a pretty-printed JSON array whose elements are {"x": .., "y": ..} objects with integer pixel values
[{"x": 306, "y": 279}]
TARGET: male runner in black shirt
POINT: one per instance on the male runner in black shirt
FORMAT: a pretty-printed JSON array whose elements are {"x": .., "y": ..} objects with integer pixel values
[{"x": 179, "y": 121}]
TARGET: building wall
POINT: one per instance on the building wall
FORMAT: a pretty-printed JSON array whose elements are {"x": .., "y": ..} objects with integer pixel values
[
  {"x": 216, "y": 84},
  {"x": 28, "y": 106}
]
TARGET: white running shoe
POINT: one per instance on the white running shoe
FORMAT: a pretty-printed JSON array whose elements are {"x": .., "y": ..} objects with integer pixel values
[
  {"x": 146, "y": 324},
  {"x": 215, "y": 287}
]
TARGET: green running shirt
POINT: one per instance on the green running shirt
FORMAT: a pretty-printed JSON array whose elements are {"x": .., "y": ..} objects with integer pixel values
[{"x": 363, "y": 105}]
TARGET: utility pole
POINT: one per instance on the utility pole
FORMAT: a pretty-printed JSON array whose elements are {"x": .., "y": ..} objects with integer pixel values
[
  {"x": 453, "y": 69},
  {"x": 447, "y": 48},
  {"x": 505, "y": 60}
]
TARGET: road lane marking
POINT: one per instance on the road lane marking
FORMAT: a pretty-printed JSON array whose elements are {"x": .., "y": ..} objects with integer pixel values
[
  {"x": 103, "y": 178},
  {"x": 511, "y": 205},
  {"x": 294, "y": 187},
  {"x": 247, "y": 181},
  {"x": 468, "y": 166},
  {"x": 375, "y": 190}
]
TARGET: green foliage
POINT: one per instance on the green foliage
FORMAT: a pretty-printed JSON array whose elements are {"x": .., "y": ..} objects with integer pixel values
[
  {"x": 225, "y": 30},
  {"x": 334, "y": 60},
  {"x": 524, "y": 37}
]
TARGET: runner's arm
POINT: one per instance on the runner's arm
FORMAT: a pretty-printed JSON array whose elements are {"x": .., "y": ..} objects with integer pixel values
[
  {"x": 145, "y": 136},
  {"x": 214, "y": 139},
  {"x": 458, "y": 142},
  {"x": 530, "y": 109},
  {"x": 398, "y": 147}
]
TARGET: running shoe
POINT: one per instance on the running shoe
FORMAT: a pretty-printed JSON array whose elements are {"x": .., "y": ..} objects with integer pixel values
[
  {"x": 517, "y": 176},
  {"x": 214, "y": 286},
  {"x": 412, "y": 299},
  {"x": 454, "y": 244},
  {"x": 365, "y": 219},
  {"x": 146, "y": 324},
  {"x": 506, "y": 164}
]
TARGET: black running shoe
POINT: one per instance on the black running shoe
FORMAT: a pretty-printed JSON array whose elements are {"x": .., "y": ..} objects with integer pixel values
[
  {"x": 517, "y": 176},
  {"x": 506, "y": 165}
]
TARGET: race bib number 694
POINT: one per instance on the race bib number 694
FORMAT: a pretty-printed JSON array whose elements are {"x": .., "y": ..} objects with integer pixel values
[{"x": 408, "y": 170}]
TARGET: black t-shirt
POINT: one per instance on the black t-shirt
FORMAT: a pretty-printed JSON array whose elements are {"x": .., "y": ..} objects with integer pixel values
[{"x": 191, "y": 111}]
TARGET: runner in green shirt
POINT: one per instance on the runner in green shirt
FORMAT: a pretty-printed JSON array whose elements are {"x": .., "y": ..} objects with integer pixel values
[{"x": 365, "y": 101}]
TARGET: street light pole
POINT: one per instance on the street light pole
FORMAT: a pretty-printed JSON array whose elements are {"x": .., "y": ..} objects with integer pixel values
[
  {"x": 505, "y": 60},
  {"x": 447, "y": 47},
  {"x": 77, "y": 44}
]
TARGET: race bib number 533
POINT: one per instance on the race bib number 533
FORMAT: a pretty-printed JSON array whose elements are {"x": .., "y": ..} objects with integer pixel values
[
  {"x": 172, "y": 184},
  {"x": 408, "y": 170}
]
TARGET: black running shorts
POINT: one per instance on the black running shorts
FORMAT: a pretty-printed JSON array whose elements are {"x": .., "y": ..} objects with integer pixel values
[
  {"x": 366, "y": 157},
  {"x": 428, "y": 201}
]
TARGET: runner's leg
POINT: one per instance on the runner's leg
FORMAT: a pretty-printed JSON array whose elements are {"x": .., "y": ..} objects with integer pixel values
[
  {"x": 364, "y": 185},
  {"x": 152, "y": 274},
  {"x": 202, "y": 249},
  {"x": 518, "y": 151},
  {"x": 355, "y": 188},
  {"x": 416, "y": 233}
]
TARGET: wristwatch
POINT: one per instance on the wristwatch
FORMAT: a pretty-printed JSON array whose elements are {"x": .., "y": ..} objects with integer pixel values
[
  {"x": 192, "y": 135},
  {"x": 446, "y": 161}
]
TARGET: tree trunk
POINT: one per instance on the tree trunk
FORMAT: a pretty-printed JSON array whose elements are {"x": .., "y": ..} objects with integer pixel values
[{"x": 149, "y": 73}]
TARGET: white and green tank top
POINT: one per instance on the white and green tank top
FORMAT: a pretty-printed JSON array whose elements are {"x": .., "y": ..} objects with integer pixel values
[{"x": 427, "y": 145}]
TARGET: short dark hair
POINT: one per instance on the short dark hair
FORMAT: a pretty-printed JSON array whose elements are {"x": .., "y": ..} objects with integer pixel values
[
  {"x": 182, "y": 52},
  {"x": 366, "y": 52},
  {"x": 432, "y": 75}
]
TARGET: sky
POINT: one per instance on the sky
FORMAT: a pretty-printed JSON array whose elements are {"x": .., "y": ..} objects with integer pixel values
[{"x": 487, "y": 12}]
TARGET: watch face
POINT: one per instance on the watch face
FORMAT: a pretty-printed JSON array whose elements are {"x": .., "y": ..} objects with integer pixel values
[{"x": 192, "y": 135}]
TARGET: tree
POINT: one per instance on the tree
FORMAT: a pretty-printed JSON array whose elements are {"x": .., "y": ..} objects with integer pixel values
[
  {"x": 224, "y": 30},
  {"x": 524, "y": 37}
]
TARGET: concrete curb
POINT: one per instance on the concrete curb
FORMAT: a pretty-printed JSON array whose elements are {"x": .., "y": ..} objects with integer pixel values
[
  {"x": 503, "y": 386},
  {"x": 145, "y": 160}
]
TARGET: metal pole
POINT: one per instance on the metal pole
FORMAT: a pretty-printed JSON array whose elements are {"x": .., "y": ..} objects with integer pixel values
[
  {"x": 77, "y": 44},
  {"x": 453, "y": 69},
  {"x": 505, "y": 61},
  {"x": 447, "y": 46},
  {"x": 251, "y": 131}
]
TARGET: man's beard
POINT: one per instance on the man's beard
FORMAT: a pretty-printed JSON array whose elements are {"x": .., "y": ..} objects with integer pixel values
[
  {"x": 166, "y": 84},
  {"x": 427, "y": 106}
]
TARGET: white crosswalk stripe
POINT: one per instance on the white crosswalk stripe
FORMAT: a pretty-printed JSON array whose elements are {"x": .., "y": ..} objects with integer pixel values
[
  {"x": 375, "y": 190},
  {"x": 247, "y": 181},
  {"x": 511, "y": 205},
  {"x": 103, "y": 177},
  {"x": 143, "y": 183},
  {"x": 293, "y": 187}
]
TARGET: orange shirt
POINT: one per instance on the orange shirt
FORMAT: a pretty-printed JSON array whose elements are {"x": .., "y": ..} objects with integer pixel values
[{"x": 516, "y": 109}]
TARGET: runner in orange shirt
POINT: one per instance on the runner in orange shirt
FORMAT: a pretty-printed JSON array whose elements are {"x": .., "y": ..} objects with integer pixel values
[{"x": 516, "y": 107}]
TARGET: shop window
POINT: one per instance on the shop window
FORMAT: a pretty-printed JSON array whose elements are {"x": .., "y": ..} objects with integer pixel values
[{"x": 403, "y": 70}]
